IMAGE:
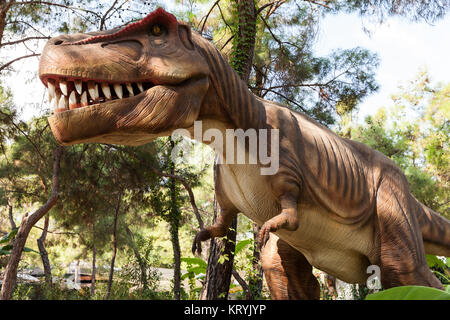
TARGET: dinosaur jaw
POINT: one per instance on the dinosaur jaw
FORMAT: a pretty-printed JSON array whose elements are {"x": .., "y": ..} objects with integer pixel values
[
  {"x": 135, "y": 119},
  {"x": 71, "y": 93}
]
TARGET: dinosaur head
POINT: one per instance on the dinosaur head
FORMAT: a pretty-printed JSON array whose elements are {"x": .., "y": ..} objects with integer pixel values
[{"x": 124, "y": 86}]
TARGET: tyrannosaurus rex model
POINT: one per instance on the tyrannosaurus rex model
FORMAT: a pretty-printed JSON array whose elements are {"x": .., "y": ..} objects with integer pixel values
[{"x": 334, "y": 204}]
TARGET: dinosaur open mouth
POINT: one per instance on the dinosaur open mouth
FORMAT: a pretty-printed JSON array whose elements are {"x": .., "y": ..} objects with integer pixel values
[{"x": 72, "y": 93}]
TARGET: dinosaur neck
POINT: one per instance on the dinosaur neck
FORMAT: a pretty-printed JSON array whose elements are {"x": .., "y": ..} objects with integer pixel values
[{"x": 233, "y": 97}]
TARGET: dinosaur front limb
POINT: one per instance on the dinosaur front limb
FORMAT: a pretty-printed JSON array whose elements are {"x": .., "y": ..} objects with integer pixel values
[
  {"x": 287, "y": 219},
  {"x": 218, "y": 229}
]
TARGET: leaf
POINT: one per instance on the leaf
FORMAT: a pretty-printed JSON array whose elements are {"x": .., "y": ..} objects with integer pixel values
[
  {"x": 410, "y": 293},
  {"x": 7, "y": 247},
  {"x": 9, "y": 236},
  {"x": 197, "y": 270},
  {"x": 4, "y": 252},
  {"x": 223, "y": 258},
  {"x": 241, "y": 245},
  {"x": 196, "y": 261},
  {"x": 25, "y": 249},
  {"x": 434, "y": 261},
  {"x": 187, "y": 275}
]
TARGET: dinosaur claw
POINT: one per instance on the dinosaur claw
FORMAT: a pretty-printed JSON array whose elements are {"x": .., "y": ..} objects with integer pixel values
[
  {"x": 196, "y": 247},
  {"x": 264, "y": 234},
  {"x": 202, "y": 235}
]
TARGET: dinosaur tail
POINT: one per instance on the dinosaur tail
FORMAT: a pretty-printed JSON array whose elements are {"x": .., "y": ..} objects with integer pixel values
[{"x": 435, "y": 231}]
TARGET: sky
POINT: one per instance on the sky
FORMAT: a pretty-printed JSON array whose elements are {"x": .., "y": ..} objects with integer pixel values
[{"x": 403, "y": 47}]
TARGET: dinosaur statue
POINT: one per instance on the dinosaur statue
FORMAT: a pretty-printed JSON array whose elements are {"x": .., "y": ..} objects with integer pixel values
[{"x": 334, "y": 204}]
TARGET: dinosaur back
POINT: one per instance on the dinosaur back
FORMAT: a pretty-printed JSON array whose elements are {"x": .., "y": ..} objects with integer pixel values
[{"x": 336, "y": 171}]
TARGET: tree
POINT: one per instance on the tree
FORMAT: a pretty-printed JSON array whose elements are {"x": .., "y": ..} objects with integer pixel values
[
  {"x": 414, "y": 134},
  {"x": 27, "y": 223}
]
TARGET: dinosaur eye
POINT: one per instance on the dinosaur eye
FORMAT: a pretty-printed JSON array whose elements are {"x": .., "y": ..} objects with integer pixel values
[{"x": 157, "y": 30}]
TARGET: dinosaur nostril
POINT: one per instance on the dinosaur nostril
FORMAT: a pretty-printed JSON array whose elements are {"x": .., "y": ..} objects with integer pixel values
[{"x": 58, "y": 42}]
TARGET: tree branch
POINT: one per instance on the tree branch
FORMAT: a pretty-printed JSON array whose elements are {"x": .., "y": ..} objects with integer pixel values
[
  {"x": 28, "y": 25},
  {"x": 24, "y": 134},
  {"x": 228, "y": 41},
  {"x": 188, "y": 189},
  {"x": 22, "y": 40},
  {"x": 182, "y": 181},
  {"x": 57, "y": 5},
  {"x": 207, "y": 15},
  {"x": 6, "y": 65},
  {"x": 25, "y": 227},
  {"x": 288, "y": 99},
  {"x": 104, "y": 17},
  {"x": 269, "y": 5},
  {"x": 237, "y": 276}
]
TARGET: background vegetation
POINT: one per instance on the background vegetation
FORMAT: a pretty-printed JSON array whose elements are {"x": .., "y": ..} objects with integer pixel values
[{"x": 131, "y": 213}]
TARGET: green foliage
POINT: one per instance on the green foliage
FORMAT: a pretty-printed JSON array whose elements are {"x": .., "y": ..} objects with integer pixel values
[
  {"x": 414, "y": 134},
  {"x": 43, "y": 291},
  {"x": 413, "y": 10},
  {"x": 440, "y": 268},
  {"x": 9, "y": 236},
  {"x": 7, "y": 242},
  {"x": 242, "y": 244},
  {"x": 195, "y": 271},
  {"x": 138, "y": 274},
  {"x": 410, "y": 293}
]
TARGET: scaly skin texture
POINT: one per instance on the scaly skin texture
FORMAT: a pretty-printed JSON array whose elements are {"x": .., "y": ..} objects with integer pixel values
[{"x": 334, "y": 204}]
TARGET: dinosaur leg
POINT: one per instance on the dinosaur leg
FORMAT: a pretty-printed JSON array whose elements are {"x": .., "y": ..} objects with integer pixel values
[
  {"x": 287, "y": 194},
  {"x": 218, "y": 229},
  {"x": 288, "y": 274},
  {"x": 227, "y": 212},
  {"x": 401, "y": 254}
]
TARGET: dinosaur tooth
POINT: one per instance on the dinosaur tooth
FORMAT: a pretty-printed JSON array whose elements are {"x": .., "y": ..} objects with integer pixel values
[
  {"x": 57, "y": 97},
  {"x": 93, "y": 90},
  {"x": 62, "y": 103},
  {"x": 106, "y": 90},
  {"x": 51, "y": 90},
  {"x": 140, "y": 86},
  {"x": 72, "y": 99},
  {"x": 56, "y": 102},
  {"x": 63, "y": 87},
  {"x": 118, "y": 90},
  {"x": 84, "y": 100},
  {"x": 130, "y": 89},
  {"x": 79, "y": 86}
]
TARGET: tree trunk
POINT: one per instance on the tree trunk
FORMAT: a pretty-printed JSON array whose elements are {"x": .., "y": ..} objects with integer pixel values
[
  {"x": 94, "y": 256},
  {"x": 244, "y": 40},
  {"x": 27, "y": 223},
  {"x": 245, "y": 287},
  {"x": 256, "y": 281},
  {"x": 4, "y": 8},
  {"x": 113, "y": 259},
  {"x": 218, "y": 276},
  {"x": 43, "y": 252},
  {"x": 10, "y": 215},
  {"x": 177, "y": 262},
  {"x": 141, "y": 262},
  {"x": 174, "y": 223}
]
